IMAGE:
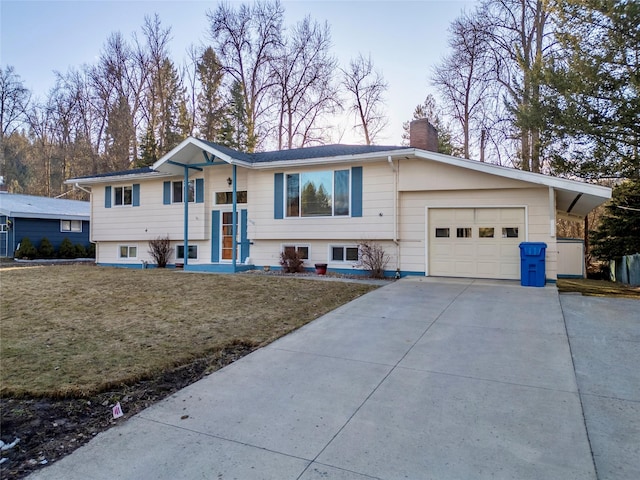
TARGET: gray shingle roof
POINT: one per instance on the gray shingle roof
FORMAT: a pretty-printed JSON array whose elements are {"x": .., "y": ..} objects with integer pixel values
[{"x": 29, "y": 206}]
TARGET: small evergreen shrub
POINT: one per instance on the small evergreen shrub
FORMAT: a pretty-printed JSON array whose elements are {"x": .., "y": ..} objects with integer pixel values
[
  {"x": 81, "y": 251},
  {"x": 91, "y": 250},
  {"x": 160, "y": 250},
  {"x": 26, "y": 250},
  {"x": 45, "y": 249},
  {"x": 67, "y": 249},
  {"x": 291, "y": 261}
]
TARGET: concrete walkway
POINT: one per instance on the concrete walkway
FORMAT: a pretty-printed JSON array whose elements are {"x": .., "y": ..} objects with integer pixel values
[
  {"x": 420, "y": 379},
  {"x": 604, "y": 334}
]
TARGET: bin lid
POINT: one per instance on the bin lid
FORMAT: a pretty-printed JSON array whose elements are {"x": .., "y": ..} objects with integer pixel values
[{"x": 532, "y": 249}]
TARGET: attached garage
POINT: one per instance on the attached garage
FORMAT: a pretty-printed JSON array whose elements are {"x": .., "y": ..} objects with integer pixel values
[{"x": 475, "y": 242}]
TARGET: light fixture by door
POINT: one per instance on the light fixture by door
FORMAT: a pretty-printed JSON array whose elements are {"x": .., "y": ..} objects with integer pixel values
[{"x": 229, "y": 181}]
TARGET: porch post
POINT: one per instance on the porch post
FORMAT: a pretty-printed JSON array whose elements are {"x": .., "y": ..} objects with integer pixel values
[
  {"x": 234, "y": 220},
  {"x": 185, "y": 199}
]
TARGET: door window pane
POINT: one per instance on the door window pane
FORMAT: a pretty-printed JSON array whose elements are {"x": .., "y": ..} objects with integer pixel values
[
  {"x": 442, "y": 233},
  {"x": 510, "y": 232},
  {"x": 464, "y": 232},
  {"x": 485, "y": 232}
]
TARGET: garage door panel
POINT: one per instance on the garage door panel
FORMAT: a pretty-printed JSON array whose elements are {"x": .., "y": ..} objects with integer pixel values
[{"x": 487, "y": 257}]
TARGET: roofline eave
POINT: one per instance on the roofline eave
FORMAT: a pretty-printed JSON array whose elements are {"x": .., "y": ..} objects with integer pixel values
[
  {"x": 116, "y": 178},
  {"x": 358, "y": 157}
]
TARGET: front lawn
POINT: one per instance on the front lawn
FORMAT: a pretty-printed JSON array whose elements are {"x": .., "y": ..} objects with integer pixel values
[{"x": 79, "y": 330}]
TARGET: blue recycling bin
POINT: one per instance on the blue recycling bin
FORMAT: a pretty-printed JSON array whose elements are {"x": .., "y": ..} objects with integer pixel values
[{"x": 532, "y": 266}]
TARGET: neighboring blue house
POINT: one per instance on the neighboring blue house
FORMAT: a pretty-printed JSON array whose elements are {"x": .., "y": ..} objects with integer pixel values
[{"x": 38, "y": 217}]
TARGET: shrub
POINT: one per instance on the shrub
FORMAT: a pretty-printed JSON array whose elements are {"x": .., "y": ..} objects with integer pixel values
[
  {"x": 91, "y": 250},
  {"x": 81, "y": 251},
  {"x": 160, "y": 250},
  {"x": 45, "y": 249},
  {"x": 373, "y": 258},
  {"x": 67, "y": 249},
  {"x": 26, "y": 250},
  {"x": 291, "y": 261}
]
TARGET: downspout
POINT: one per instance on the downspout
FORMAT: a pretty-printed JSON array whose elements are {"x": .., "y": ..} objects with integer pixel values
[
  {"x": 234, "y": 226},
  {"x": 395, "y": 211},
  {"x": 185, "y": 199}
]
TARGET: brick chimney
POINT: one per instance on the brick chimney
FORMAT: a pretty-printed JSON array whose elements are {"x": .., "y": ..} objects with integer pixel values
[{"x": 423, "y": 135}]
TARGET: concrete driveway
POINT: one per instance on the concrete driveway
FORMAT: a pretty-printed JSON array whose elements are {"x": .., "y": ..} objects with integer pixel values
[
  {"x": 604, "y": 334},
  {"x": 421, "y": 379}
]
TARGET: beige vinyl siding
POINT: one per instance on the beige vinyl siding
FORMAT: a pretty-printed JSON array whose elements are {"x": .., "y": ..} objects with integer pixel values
[
  {"x": 148, "y": 221},
  {"x": 109, "y": 253},
  {"x": 376, "y": 222},
  {"x": 267, "y": 252}
]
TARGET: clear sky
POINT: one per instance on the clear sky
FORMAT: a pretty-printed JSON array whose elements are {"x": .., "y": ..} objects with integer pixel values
[{"x": 405, "y": 38}]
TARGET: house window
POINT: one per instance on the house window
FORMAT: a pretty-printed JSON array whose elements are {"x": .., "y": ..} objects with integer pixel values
[
  {"x": 71, "y": 225},
  {"x": 4, "y": 227},
  {"x": 442, "y": 233},
  {"x": 128, "y": 251},
  {"x": 178, "y": 192},
  {"x": 193, "y": 251},
  {"x": 303, "y": 250},
  {"x": 226, "y": 198},
  {"x": 510, "y": 232},
  {"x": 485, "y": 232},
  {"x": 344, "y": 253},
  {"x": 464, "y": 232},
  {"x": 123, "y": 195},
  {"x": 318, "y": 194}
]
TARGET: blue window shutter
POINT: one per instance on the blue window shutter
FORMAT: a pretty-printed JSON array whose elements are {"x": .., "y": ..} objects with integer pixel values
[
  {"x": 199, "y": 190},
  {"x": 136, "y": 194},
  {"x": 278, "y": 195},
  {"x": 107, "y": 197},
  {"x": 244, "y": 241},
  {"x": 215, "y": 236},
  {"x": 166, "y": 193},
  {"x": 356, "y": 191}
]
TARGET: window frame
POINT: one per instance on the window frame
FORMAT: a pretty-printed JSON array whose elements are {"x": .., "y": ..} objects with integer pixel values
[
  {"x": 123, "y": 188},
  {"x": 128, "y": 247},
  {"x": 192, "y": 248},
  {"x": 344, "y": 248},
  {"x": 192, "y": 191},
  {"x": 289, "y": 200},
  {"x": 70, "y": 229}
]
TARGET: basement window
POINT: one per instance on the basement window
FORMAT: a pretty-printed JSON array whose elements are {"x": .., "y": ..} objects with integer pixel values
[
  {"x": 128, "y": 251},
  {"x": 344, "y": 253},
  {"x": 193, "y": 251},
  {"x": 303, "y": 250}
]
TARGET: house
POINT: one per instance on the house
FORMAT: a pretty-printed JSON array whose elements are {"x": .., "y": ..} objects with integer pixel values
[
  {"x": 433, "y": 214},
  {"x": 41, "y": 217}
]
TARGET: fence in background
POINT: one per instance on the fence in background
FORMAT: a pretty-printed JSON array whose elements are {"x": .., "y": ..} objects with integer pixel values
[{"x": 626, "y": 269}]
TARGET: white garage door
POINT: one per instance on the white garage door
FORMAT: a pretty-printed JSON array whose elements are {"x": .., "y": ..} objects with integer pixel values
[{"x": 475, "y": 242}]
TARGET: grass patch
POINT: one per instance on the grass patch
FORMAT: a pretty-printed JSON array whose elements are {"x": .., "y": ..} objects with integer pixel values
[
  {"x": 597, "y": 288},
  {"x": 79, "y": 330}
]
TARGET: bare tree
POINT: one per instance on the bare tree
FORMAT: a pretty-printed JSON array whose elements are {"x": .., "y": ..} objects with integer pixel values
[
  {"x": 366, "y": 88},
  {"x": 247, "y": 40},
  {"x": 463, "y": 77},
  {"x": 305, "y": 70},
  {"x": 14, "y": 100}
]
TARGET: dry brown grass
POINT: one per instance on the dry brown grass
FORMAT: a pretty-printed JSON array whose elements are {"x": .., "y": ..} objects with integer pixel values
[
  {"x": 78, "y": 330},
  {"x": 598, "y": 288}
]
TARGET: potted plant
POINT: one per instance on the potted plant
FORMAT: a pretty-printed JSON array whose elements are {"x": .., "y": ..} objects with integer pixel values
[{"x": 321, "y": 268}]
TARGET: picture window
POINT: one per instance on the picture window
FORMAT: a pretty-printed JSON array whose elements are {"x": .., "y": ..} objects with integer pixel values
[
  {"x": 318, "y": 194},
  {"x": 226, "y": 198}
]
